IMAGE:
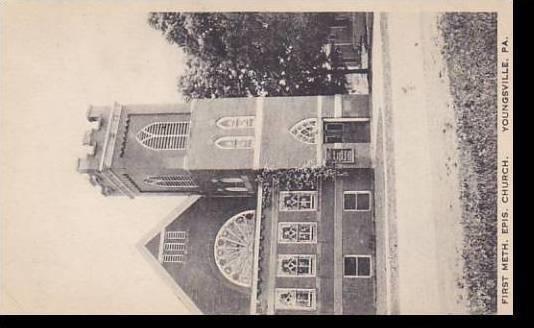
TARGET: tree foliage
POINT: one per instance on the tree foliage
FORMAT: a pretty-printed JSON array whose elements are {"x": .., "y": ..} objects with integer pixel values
[{"x": 252, "y": 54}]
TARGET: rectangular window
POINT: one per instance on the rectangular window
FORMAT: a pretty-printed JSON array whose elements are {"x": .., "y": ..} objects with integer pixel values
[
  {"x": 295, "y": 299},
  {"x": 293, "y": 232},
  {"x": 333, "y": 132},
  {"x": 298, "y": 200},
  {"x": 347, "y": 132},
  {"x": 357, "y": 266},
  {"x": 296, "y": 265},
  {"x": 174, "y": 247},
  {"x": 357, "y": 200},
  {"x": 173, "y": 258},
  {"x": 176, "y": 235}
]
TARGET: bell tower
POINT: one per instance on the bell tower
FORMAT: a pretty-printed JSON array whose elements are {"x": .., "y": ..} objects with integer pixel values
[
  {"x": 215, "y": 147},
  {"x": 146, "y": 150}
]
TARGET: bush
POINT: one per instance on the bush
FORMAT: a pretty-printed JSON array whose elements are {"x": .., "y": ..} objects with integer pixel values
[{"x": 292, "y": 179}]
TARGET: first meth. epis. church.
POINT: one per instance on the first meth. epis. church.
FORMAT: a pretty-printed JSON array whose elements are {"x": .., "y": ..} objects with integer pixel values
[{"x": 304, "y": 251}]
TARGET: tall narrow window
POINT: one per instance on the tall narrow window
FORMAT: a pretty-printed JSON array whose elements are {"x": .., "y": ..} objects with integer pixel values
[
  {"x": 174, "y": 247},
  {"x": 164, "y": 135},
  {"x": 232, "y": 180},
  {"x": 295, "y": 299},
  {"x": 236, "y": 189},
  {"x": 173, "y": 258},
  {"x": 235, "y": 142},
  {"x": 293, "y": 232},
  {"x": 305, "y": 131},
  {"x": 298, "y": 200},
  {"x": 296, "y": 265},
  {"x": 176, "y": 235},
  {"x": 236, "y": 122},
  {"x": 175, "y": 181}
]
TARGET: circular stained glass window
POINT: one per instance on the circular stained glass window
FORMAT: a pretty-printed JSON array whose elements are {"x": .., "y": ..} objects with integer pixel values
[{"x": 234, "y": 248}]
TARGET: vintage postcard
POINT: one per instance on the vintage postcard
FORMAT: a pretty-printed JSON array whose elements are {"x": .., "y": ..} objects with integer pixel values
[{"x": 281, "y": 157}]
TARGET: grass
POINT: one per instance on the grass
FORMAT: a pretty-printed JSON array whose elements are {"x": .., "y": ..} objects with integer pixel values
[{"x": 471, "y": 54}]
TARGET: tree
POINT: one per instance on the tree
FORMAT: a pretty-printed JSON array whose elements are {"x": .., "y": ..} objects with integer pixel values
[{"x": 252, "y": 54}]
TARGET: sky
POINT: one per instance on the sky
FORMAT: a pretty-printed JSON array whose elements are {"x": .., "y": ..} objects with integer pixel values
[{"x": 65, "y": 248}]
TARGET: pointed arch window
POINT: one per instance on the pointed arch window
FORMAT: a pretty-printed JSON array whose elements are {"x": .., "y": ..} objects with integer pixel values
[
  {"x": 305, "y": 131},
  {"x": 164, "y": 135},
  {"x": 176, "y": 181},
  {"x": 235, "y": 142},
  {"x": 236, "y": 122}
]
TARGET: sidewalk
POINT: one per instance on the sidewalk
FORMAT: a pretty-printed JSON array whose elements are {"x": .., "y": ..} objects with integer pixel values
[
  {"x": 382, "y": 150},
  {"x": 418, "y": 207}
]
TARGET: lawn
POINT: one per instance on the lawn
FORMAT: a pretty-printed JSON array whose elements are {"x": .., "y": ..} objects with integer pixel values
[{"x": 471, "y": 54}]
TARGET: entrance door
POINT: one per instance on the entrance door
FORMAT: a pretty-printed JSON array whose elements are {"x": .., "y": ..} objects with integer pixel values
[{"x": 347, "y": 132}]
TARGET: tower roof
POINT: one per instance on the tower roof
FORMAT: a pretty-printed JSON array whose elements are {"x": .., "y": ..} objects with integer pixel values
[{"x": 101, "y": 141}]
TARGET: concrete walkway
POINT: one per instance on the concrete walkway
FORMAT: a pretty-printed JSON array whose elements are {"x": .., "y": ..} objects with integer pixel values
[{"x": 417, "y": 167}]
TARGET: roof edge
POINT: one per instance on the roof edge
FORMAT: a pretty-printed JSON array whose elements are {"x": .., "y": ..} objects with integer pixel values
[
  {"x": 153, "y": 261},
  {"x": 256, "y": 253}
]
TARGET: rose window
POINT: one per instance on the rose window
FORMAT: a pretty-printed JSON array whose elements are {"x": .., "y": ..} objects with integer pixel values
[{"x": 233, "y": 248}]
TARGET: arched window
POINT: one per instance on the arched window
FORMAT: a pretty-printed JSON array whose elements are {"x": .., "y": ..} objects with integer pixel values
[
  {"x": 164, "y": 135},
  {"x": 235, "y": 142},
  {"x": 177, "y": 181},
  {"x": 236, "y": 122},
  {"x": 236, "y": 189},
  {"x": 305, "y": 131},
  {"x": 232, "y": 180},
  {"x": 233, "y": 248}
]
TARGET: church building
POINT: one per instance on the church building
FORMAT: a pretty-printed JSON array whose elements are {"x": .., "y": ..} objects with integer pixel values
[
  {"x": 240, "y": 243},
  {"x": 229, "y": 248}
]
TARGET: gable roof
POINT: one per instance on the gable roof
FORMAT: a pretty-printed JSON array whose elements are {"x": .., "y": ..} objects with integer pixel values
[
  {"x": 153, "y": 260},
  {"x": 199, "y": 281}
]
